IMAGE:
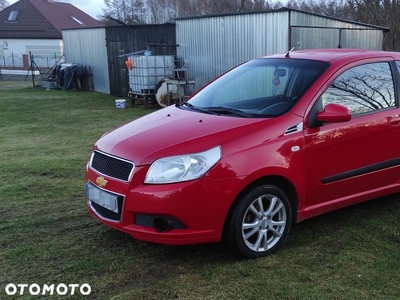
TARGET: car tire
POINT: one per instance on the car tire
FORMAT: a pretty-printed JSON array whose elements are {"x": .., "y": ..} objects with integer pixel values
[{"x": 258, "y": 222}]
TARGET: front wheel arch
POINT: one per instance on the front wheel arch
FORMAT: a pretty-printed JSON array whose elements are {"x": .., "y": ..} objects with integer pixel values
[
  {"x": 239, "y": 215},
  {"x": 285, "y": 184}
]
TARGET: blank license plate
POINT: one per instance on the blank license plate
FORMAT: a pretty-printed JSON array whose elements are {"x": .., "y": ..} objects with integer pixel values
[{"x": 100, "y": 197}]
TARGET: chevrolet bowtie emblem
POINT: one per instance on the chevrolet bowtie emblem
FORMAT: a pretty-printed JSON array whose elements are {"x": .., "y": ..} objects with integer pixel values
[{"x": 101, "y": 181}]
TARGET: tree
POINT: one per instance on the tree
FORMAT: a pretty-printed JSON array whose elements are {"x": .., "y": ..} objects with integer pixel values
[
  {"x": 377, "y": 12},
  {"x": 125, "y": 11},
  {"x": 161, "y": 11}
]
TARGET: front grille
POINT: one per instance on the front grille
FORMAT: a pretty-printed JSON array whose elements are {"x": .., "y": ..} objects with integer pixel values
[
  {"x": 108, "y": 214},
  {"x": 111, "y": 166}
]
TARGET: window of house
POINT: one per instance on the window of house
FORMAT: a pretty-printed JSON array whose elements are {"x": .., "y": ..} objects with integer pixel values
[
  {"x": 13, "y": 15},
  {"x": 363, "y": 89},
  {"x": 5, "y": 45},
  {"x": 77, "y": 21}
]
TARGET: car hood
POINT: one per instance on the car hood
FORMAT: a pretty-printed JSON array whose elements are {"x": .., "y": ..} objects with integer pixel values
[{"x": 173, "y": 131}]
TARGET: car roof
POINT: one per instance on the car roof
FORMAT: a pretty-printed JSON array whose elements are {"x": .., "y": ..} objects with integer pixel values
[{"x": 330, "y": 55}]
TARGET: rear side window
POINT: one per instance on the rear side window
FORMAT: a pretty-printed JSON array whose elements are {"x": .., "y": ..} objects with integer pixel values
[{"x": 363, "y": 89}]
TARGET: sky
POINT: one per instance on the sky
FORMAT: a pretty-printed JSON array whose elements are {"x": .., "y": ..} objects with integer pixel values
[{"x": 91, "y": 7}]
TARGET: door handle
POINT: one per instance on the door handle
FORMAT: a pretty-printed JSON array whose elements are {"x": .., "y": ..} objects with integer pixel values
[{"x": 394, "y": 120}]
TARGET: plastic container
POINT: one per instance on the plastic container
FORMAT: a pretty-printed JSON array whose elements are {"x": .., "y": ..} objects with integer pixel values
[
  {"x": 147, "y": 71},
  {"x": 120, "y": 103}
]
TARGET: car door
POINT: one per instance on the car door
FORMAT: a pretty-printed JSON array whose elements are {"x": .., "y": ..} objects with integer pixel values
[{"x": 348, "y": 161}]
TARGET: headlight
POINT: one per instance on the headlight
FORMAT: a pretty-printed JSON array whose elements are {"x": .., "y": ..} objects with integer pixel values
[{"x": 183, "y": 167}]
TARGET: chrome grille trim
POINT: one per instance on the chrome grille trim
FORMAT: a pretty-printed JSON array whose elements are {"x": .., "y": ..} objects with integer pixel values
[{"x": 111, "y": 166}]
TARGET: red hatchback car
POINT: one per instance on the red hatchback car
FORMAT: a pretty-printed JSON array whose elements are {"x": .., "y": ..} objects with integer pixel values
[{"x": 274, "y": 141}]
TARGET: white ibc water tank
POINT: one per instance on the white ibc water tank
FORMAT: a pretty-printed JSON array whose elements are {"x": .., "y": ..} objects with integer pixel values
[{"x": 147, "y": 71}]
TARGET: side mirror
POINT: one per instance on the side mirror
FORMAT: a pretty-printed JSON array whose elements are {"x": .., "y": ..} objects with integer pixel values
[{"x": 334, "y": 113}]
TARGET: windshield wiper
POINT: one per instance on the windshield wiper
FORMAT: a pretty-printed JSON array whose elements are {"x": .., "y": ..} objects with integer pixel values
[
  {"x": 228, "y": 111},
  {"x": 191, "y": 106},
  {"x": 215, "y": 110}
]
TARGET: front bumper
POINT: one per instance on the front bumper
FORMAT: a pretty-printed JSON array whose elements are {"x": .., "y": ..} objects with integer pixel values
[{"x": 195, "y": 210}]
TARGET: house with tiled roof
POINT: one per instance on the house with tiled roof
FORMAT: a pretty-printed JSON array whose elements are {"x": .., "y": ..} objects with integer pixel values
[{"x": 35, "y": 26}]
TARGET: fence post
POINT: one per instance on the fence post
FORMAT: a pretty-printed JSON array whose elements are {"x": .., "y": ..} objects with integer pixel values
[
  {"x": 25, "y": 61},
  {"x": 32, "y": 67},
  {"x": 12, "y": 59}
]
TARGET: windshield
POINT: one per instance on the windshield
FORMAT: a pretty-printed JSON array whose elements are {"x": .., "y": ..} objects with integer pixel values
[{"x": 258, "y": 88}]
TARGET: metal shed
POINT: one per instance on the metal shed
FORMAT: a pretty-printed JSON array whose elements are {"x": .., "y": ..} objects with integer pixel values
[
  {"x": 214, "y": 44},
  {"x": 100, "y": 49}
]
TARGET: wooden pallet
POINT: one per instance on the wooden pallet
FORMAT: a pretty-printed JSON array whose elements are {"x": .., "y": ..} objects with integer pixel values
[{"x": 143, "y": 100}]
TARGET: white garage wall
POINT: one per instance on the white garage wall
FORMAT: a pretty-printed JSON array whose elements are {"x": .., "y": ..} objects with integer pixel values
[{"x": 45, "y": 52}]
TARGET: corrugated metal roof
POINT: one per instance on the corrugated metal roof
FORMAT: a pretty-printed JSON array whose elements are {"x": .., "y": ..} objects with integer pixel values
[{"x": 286, "y": 9}]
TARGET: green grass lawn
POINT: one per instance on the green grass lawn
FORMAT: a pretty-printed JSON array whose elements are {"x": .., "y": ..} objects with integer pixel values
[{"x": 47, "y": 235}]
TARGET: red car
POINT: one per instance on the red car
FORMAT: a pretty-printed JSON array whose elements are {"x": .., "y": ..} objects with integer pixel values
[{"x": 274, "y": 141}]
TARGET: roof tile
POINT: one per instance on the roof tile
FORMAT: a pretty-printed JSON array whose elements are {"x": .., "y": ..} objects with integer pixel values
[{"x": 43, "y": 19}]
